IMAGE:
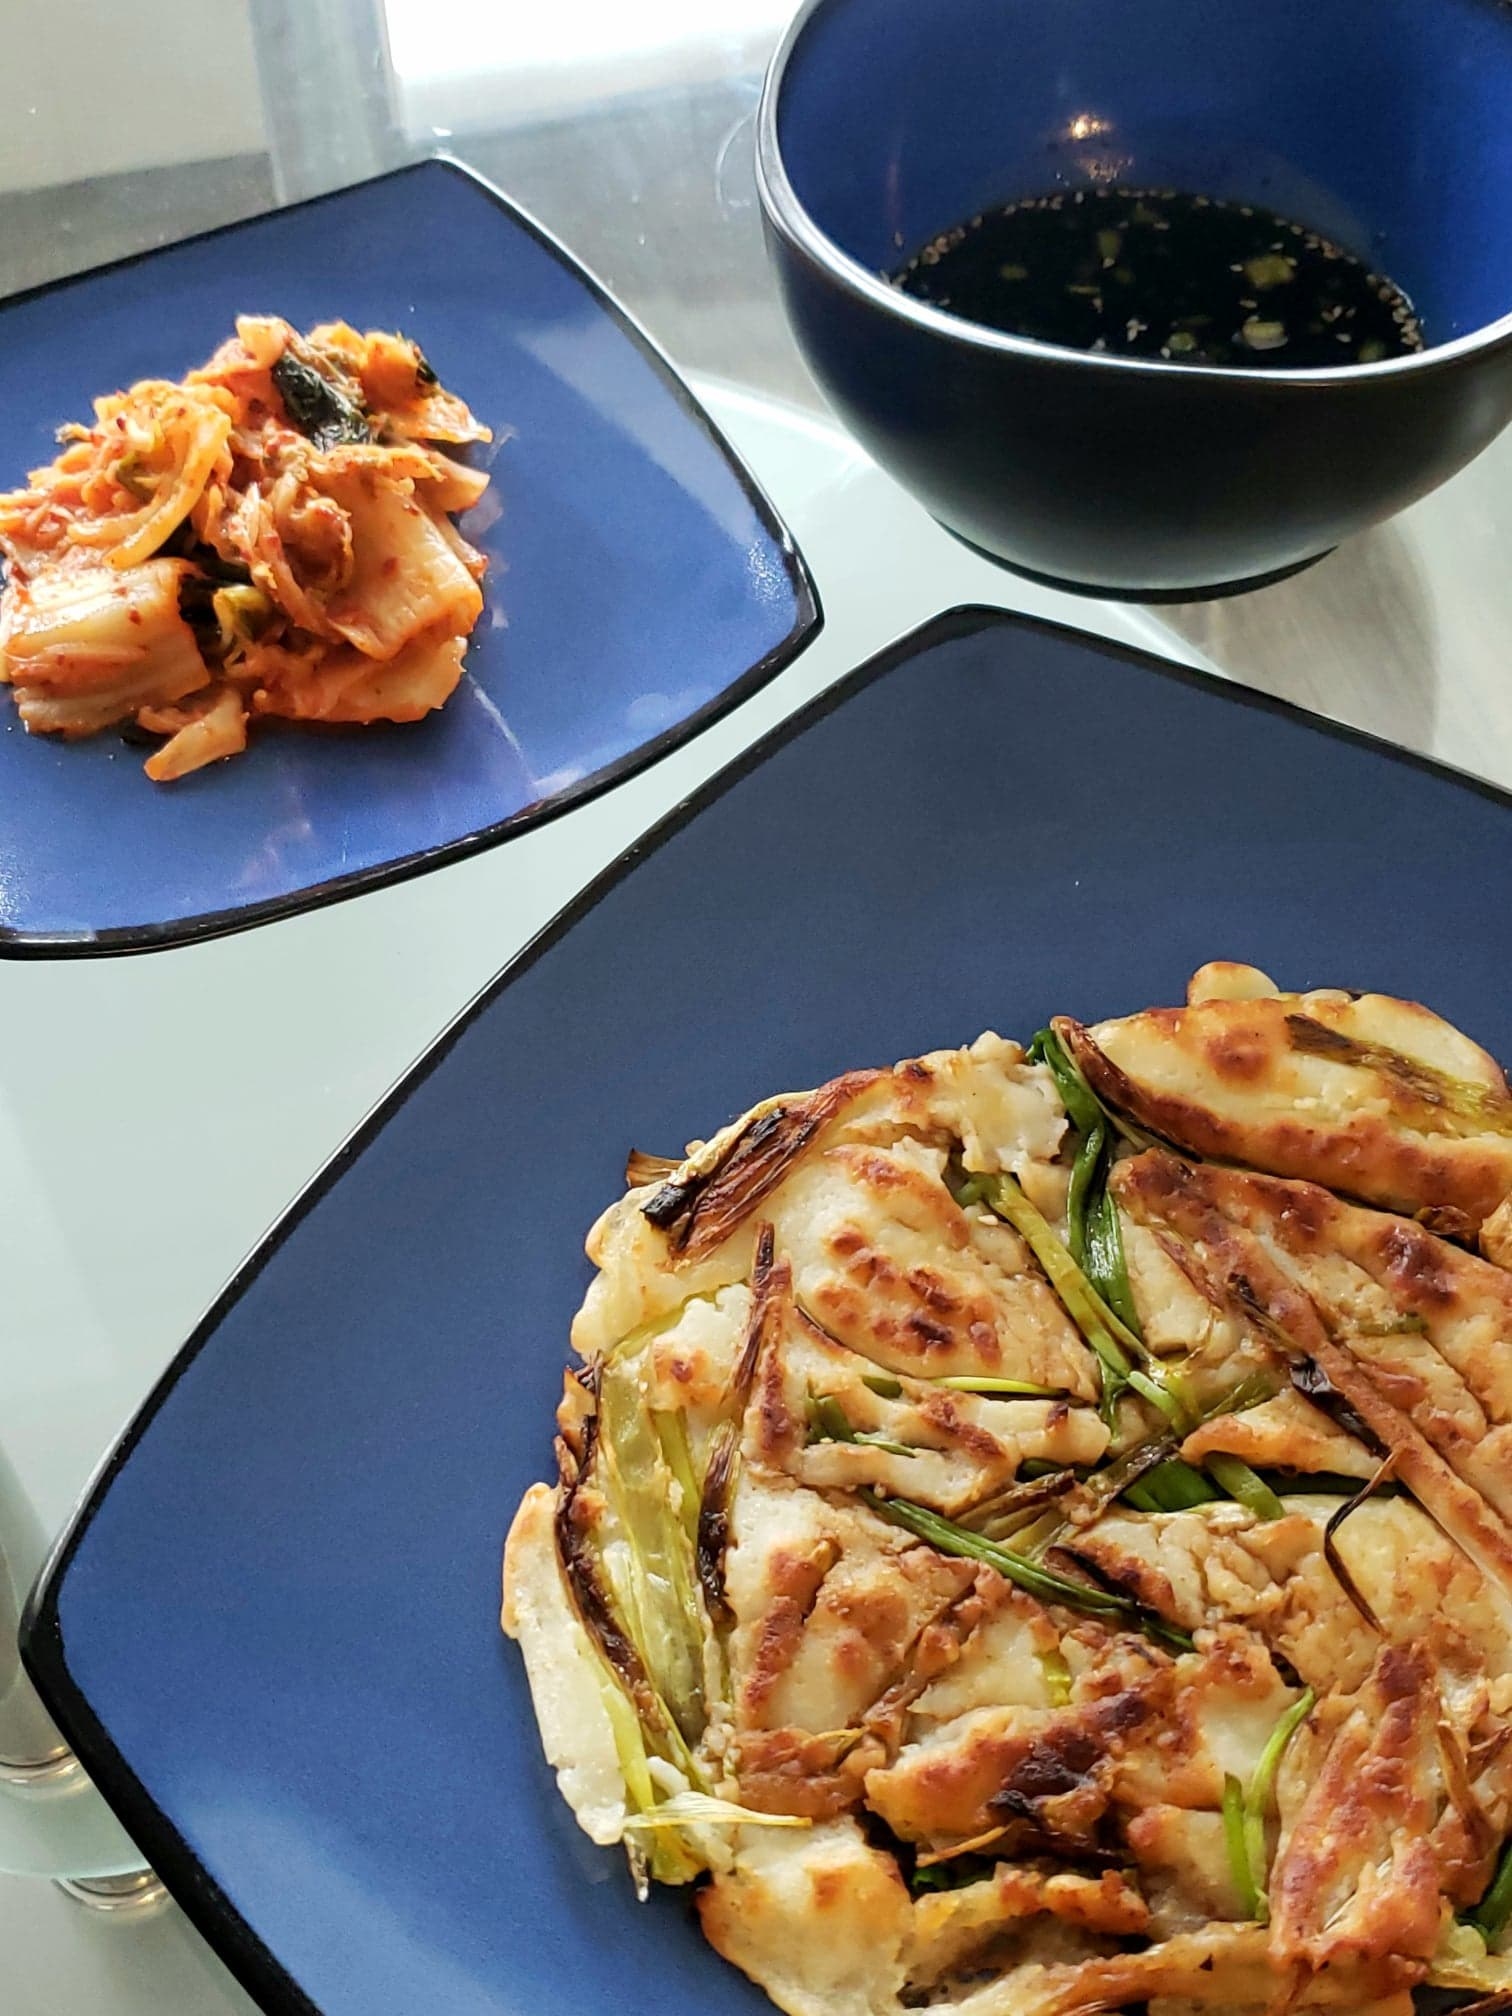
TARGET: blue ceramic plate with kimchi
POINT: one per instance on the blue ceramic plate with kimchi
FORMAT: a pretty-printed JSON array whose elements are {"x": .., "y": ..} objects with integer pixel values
[{"x": 637, "y": 583}]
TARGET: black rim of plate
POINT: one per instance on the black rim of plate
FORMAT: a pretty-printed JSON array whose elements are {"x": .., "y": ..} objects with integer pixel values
[
  {"x": 808, "y": 621},
  {"x": 41, "y": 1639}
]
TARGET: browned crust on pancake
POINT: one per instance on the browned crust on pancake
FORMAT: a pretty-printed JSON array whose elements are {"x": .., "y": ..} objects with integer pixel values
[
  {"x": 1388, "y": 1158},
  {"x": 1161, "y": 1190}
]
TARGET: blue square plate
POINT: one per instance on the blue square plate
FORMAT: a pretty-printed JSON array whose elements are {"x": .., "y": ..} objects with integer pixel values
[
  {"x": 272, "y": 1631},
  {"x": 639, "y": 583}
]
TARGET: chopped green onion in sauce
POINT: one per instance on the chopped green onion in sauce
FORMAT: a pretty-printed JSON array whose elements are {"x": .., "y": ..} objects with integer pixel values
[{"x": 1156, "y": 273}]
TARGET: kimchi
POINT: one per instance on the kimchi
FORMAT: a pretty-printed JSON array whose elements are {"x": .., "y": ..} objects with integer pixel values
[{"x": 272, "y": 535}]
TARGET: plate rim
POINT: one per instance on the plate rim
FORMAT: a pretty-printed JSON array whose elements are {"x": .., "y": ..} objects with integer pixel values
[
  {"x": 255, "y": 1966},
  {"x": 808, "y": 618}
]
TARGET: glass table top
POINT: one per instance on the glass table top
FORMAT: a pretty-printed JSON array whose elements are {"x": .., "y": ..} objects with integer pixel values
[{"x": 626, "y": 131}]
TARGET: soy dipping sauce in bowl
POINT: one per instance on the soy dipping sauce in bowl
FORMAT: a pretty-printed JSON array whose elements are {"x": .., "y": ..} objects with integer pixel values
[
  {"x": 1369, "y": 140},
  {"x": 1153, "y": 273}
]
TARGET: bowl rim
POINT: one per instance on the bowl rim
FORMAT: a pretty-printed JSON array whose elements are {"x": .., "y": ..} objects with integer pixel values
[{"x": 787, "y": 215}]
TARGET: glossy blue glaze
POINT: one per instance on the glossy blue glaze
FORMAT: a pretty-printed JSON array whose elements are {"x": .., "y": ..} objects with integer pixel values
[
  {"x": 638, "y": 582},
  {"x": 273, "y": 1636},
  {"x": 1384, "y": 123}
]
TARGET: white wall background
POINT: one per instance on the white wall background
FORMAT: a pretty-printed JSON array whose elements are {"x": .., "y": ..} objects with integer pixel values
[
  {"x": 98, "y": 87},
  {"x": 468, "y": 62}
]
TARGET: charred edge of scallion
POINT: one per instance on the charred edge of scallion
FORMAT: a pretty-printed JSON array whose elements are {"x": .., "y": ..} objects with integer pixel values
[
  {"x": 714, "y": 1505},
  {"x": 703, "y": 1209},
  {"x": 750, "y": 1165},
  {"x": 670, "y": 1202},
  {"x": 1331, "y": 1552},
  {"x": 1104, "y": 1486},
  {"x": 1040, "y": 1836},
  {"x": 1319, "y": 1484},
  {"x": 1306, "y": 1375},
  {"x": 1455, "y": 1765},
  {"x": 714, "y": 1528},
  {"x": 590, "y": 1598},
  {"x": 1314, "y": 1384},
  {"x": 1134, "y": 1463},
  {"x": 765, "y": 1283},
  {"x": 1024, "y": 1496},
  {"x": 642, "y": 1168}
]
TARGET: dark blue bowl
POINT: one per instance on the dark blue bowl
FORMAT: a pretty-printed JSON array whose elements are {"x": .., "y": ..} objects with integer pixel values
[{"x": 1384, "y": 124}]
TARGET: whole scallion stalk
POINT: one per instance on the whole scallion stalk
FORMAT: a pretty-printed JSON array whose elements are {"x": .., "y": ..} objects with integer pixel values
[
  {"x": 656, "y": 1582},
  {"x": 1093, "y": 1233},
  {"x": 1030, "y": 1576},
  {"x": 1117, "y": 1348},
  {"x": 1086, "y": 1116},
  {"x": 1104, "y": 1258}
]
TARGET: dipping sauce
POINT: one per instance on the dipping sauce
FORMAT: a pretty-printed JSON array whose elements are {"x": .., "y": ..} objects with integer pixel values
[{"x": 1152, "y": 273}]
